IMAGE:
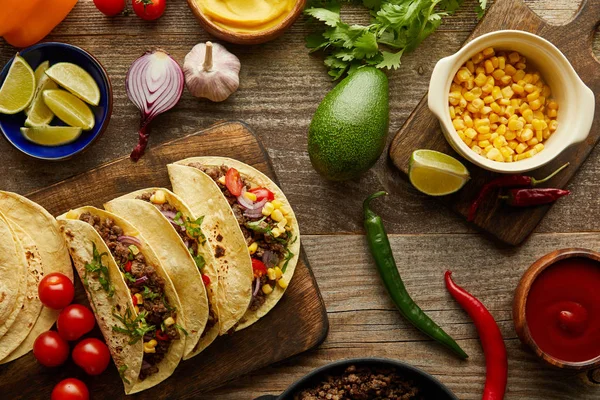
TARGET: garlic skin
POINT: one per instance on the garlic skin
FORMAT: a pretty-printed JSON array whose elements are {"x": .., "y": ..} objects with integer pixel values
[{"x": 211, "y": 71}]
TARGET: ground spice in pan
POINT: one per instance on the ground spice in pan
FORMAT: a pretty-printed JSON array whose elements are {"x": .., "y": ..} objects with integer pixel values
[{"x": 363, "y": 383}]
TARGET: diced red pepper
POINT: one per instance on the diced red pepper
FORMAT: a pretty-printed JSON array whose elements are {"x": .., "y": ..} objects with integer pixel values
[
  {"x": 259, "y": 268},
  {"x": 262, "y": 193},
  {"x": 127, "y": 266},
  {"x": 233, "y": 181},
  {"x": 206, "y": 280},
  {"x": 160, "y": 335},
  {"x": 135, "y": 302}
]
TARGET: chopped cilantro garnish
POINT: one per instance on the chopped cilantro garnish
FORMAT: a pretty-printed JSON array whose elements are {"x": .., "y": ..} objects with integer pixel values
[
  {"x": 101, "y": 271},
  {"x": 122, "y": 370},
  {"x": 136, "y": 327},
  {"x": 181, "y": 329},
  {"x": 129, "y": 277},
  {"x": 288, "y": 256},
  {"x": 199, "y": 260},
  {"x": 192, "y": 228},
  {"x": 149, "y": 294}
]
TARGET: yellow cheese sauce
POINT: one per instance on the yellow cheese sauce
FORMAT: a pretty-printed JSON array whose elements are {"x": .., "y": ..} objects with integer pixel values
[{"x": 246, "y": 16}]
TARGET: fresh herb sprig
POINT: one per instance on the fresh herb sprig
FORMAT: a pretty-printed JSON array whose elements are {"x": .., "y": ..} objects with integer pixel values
[
  {"x": 193, "y": 228},
  {"x": 396, "y": 25},
  {"x": 136, "y": 327},
  {"x": 95, "y": 267}
]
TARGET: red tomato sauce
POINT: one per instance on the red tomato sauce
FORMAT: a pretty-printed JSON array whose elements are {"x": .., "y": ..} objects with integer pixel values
[{"x": 563, "y": 310}]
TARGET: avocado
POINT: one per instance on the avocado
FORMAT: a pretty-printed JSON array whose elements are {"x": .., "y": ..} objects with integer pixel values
[{"x": 348, "y": 131}]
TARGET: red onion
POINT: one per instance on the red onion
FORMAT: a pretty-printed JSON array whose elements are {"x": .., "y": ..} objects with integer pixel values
[
  {"x": 249, "y": 204},
  {"x": 154, "y": 84},
  {"x": 129, "y": 240},
  {"x": 256, "y": 287},
  {"x": 140, "y": 280},
  {"x": 270, "y": 259},
  {"x": 169, "y": 214},
  {"x": 253, "y": 213}
]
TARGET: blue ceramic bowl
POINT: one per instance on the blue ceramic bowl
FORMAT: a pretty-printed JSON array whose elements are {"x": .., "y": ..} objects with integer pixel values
[{"x": 60, "y": 52}]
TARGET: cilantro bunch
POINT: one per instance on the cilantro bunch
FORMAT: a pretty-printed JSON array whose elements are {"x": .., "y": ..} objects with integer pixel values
[{"x": 396, "y": 25}]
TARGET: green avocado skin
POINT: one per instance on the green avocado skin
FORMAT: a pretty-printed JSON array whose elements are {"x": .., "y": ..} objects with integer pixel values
[{"x": 349, "y": 129}]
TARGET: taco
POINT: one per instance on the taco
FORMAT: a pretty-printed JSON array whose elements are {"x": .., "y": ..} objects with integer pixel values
[
  {"x": 42, "y": 238},
  {"x": 28, "y": 270},
  {"x": 176, "y": 236},
  {"x": 257, "y": 214},
  {"x": 135, "y": 303}
]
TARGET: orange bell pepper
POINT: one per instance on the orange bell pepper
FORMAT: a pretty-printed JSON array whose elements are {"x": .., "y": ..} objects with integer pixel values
[
  {"x": 14, "y": 13},
  {"x": 40, "y": 22}
]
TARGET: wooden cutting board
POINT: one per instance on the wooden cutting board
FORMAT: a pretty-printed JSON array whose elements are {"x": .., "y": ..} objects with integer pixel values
[
  {"x": 422, "y": 130},
  {"x": 298, "y": 322}
]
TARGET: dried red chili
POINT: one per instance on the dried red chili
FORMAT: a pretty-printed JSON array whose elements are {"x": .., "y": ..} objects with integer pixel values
[
  {"x": 509, "y": 181},
  {"x": 496, "y": 363},
  {"x": 533, "y": 197}
]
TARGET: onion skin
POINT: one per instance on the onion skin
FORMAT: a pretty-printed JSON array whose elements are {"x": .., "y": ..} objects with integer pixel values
[{"x": 154, "y": 83}]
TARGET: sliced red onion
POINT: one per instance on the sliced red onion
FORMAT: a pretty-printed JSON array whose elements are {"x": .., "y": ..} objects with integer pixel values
[
  {"x": 270, "y": 259},
  {"x": 154, "y": 84},
  {"x": 129, "y": 240},
  {"x": 253, "y": 213},
  {"x": 256, "y": 287},
  {"x": 169, "y": 214},
  {"x": 249, "y": 204},
  {"x": 140, "y": 281}
]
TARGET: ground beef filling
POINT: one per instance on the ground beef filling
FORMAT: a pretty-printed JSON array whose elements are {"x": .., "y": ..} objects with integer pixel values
[
  {"x": 363, "y": 383},
  {"x": 276, "y": 247},
  {"x": 192, "y": 246},
  {"x": 141, "y": 278}
]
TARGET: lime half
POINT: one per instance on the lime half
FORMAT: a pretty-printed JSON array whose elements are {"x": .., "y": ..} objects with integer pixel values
[
  {"x": 435, "y": 173},
  {"x": 18, "y": 88},
  {"x": 69, "y": 109},
  {"x": 76, "y": 80},
  {"x": 51, "y": 135},
  {"x": 38, "y": 112}
]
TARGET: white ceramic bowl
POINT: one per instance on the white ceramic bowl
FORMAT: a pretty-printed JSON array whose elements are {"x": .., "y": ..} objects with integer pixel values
[{"x": 576, "y": 101}]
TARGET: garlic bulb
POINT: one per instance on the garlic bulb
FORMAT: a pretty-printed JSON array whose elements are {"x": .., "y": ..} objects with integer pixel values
[{"x": 211, "y": 71}]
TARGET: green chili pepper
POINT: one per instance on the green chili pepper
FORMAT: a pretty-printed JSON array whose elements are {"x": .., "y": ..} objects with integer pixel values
[{"x": 384, "y": 259}]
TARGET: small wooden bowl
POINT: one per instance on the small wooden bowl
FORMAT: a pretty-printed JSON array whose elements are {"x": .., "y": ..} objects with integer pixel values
[
  {"x": 247, "y": 38},
  {"x": 520, "y": 300}
]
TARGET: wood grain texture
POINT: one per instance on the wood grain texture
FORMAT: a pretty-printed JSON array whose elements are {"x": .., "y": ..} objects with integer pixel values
[
  {"x": 422, "y": 129},
  {"x": 296, "y": 324},
  {"x": 281, "y": 87}
]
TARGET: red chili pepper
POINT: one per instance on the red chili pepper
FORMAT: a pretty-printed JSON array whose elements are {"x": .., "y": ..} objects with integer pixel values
[
  {"x": 127, "y": 266},
  {"x": 262, "y": 193},
  {"x": 162, "y": 336},
  {"x": 533, "y": 197},
  {"x": 507, "y": 182},
  {"x": 206, "y": 280},
  {"x": 259, "y": 268},
  {"x": 496, "y": 363},
  {"x": 134, "y": 299}
]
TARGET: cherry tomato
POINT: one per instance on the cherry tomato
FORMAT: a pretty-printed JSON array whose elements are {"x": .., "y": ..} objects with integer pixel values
[
  {"x": 74, "y": 321},
  {"x": 259, "y": 268},
  {"x": 127, "y": 266},
  {"x": 92, "y": 355},
  {"x": 110, "y": 8},
  {"x": 262, "y": 193},
  {"x": 149, "y": 10},
  {"x": 233, "y": 181},
  {"x": 70, "y": 389},
  {"x": 50, "y": 349},
  {"x": 56, "y": 291},
  {"x": 206, "y": 280},
  {"x": 161, "y": 336}
]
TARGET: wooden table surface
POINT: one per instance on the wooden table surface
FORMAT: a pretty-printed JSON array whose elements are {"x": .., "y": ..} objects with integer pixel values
[{"x": 281, "y": 86}]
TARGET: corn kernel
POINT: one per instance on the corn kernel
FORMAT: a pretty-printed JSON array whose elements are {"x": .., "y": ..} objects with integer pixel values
[
  {"x": 546, "y": 133},
  {"x": 453, "y": 98},
  {"x": 510, "y": 70},
  {"x": 520, "y": 66},
  {"x": 253, "y": 247},
  {"x": 470, "y": 66},
  {"x": 221, "y": 180},
  {"x": 530, "y": 153},
  {"x": 500, "y": 142},
  {"x": 506, "y": 152},
  {"x": 278, "y": 273},
  {"x": 538, "y": 147},
  {"x": 494, "y": 154},
  {"x": 486, "y": 136},
  {"x": 494, "y": 118},
  {"x": 486, "y": 110},
  {"x": 286, "y": 210},
  {"x": 539, "y": 135},
  {"x": 282, "y": 283},
  {"x": 489, "y": 67},
  {"x": 501, "y": 62},
  {"x": 277, "y": 215},
  {"x": 487, "y": 149},
  {"x": 483, "y": 129},
  {"x": 483, "y": 143},
  {"x": 514, "y": 57},
  {"x": 271, "y": 274},
  {"x": 526, "y": 134},
  {"x": 169, "y": 321},
  {"x": 250, "y": 196},
  {"x": 535, "y": 104},
  {"x": 470, "y": 133},
  {"x": 463, "y": 75},
  {"x": 476, "y": 149},
  {"x": 532, "y": 142},
  {"x": 149, "y": 349},
  {"x": 276, "y": 232},
  {"x": 513, "y": 144},
  {"x": 139, "y": 298},
  {"x": 553, "y": 125},
  {"x": 515, "y": 125},
  {"x": 488, "y": 99},
  {"x": 158, "y": 197},
  {"x": 504, "y": 102},
  {"x": 267, "y": 289},
  {"x": 494, "y": 136},
  {"x": 507, "y": 92},
  {"x": 480, "y": 79},
  {"x": 506, "y": 80},
  {"x": 468, "y": 121},
  {"x": 276, "y": 203},
  {"x": 518, "y": 76},
  {"x": 267, "y": 209},
  {"x": 487, "y": 88},
  {"x": 521, "y": 148},
  {"x": 552, "y": 113},
  {"x": 553, "y": 105}
]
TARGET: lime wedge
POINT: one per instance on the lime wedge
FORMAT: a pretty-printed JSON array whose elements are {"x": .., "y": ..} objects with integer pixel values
[
  {"x": 18, "y": 88},
  {"x": 76, "y": 80},
  {"x": 38, "y": 112},
  {"x": 69, "y": 109},
  {"x": 435, "y": 173},
  {"x": 51, "y": 135},
  {"x": 41, "y": 71}
]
